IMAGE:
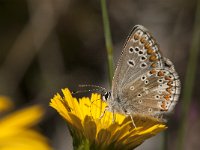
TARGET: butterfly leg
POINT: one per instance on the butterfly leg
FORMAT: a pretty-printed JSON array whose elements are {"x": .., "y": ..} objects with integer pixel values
[
  {"x": 103, "y": 113},
  {"x": 132, "y": 121}
]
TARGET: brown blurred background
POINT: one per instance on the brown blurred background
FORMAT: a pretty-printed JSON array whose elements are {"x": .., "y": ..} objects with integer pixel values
[{"x": 46, "y": 45}]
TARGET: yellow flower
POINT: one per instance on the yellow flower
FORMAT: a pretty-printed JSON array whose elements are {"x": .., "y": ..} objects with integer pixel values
[
  {"x": 5, "y": 103},
  {"x": 15, "y": 128},
  {"x": 83, "y": 118}
]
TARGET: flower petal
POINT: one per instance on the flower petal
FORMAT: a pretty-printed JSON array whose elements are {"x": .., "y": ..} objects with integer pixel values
[
  {"x": 89, "y": 128},
  {"x": 103, "y": 137},
  {"x": 84, "y": 118}
]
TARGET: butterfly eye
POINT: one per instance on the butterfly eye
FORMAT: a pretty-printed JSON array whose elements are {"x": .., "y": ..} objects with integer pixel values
[{"x": 106, "y": 96}]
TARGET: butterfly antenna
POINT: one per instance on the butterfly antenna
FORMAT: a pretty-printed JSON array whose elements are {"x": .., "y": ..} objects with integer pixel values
[
  {"x": 84, "y": 91},
  {"x": 98, "y": 88}
]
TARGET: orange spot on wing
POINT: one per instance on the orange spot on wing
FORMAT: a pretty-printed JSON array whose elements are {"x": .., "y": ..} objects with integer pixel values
[
  {"x": 153, "y": 71},
  {"x": 149, "y": 51},
  {"x": 153, "y": 65},
  {"x": 164, "y": 106},
  {"x": 142, "y": 40},
  {"x": 167, "y": 78},
  {"x": 169, "y": 83},
  {"x": 153, "y": 58},
  {"x": 167, "y": 97},
  {"x": 169, "y": 90},
  {"x": 160, "y": 73},
  {"x": 147, "y": 45}
]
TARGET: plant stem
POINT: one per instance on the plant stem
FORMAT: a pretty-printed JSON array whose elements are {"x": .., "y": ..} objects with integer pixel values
[
  {"x": 165, "y": 140},
  {"x": 108, "y": 39},
  {"x": 189, "y": 79}
]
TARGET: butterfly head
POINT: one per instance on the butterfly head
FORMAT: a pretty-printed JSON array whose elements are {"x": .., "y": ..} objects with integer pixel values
[{"x": 106, "y": 96}]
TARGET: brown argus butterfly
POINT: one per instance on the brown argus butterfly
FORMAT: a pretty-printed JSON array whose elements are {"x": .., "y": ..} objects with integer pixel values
[{"x": 145, "y": 83}]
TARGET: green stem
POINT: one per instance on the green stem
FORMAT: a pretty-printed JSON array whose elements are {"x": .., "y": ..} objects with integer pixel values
[
  {"x": 189, "y": 79},
  {"x": 108, "y": 39},
  {"x": 79, "y": 142},
  {"x": 84, "y": 145},
  {"x": 165, "y": 140}
]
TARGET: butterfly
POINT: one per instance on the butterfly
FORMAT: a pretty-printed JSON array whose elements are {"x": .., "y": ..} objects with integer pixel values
[{"x": 145, "y": 83}]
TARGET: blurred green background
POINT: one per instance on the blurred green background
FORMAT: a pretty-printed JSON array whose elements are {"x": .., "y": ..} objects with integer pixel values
[{"x": 46, "y": 45}]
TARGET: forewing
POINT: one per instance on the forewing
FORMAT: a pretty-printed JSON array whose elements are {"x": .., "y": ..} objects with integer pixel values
[{"x": 140, "y": 54}]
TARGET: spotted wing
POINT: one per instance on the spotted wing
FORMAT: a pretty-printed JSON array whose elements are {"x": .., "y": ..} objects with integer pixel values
[
  {"x": 140, "y": 54},
  {"x": 136, "y": 79},
  {"x": 154, "y": 93}
]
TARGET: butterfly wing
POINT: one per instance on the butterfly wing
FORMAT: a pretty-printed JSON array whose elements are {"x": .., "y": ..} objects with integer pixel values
[
  {"x": 140, "y": 54},
  {"x": 137, "y": 79},
  {"x": 155, "y": 93}
]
